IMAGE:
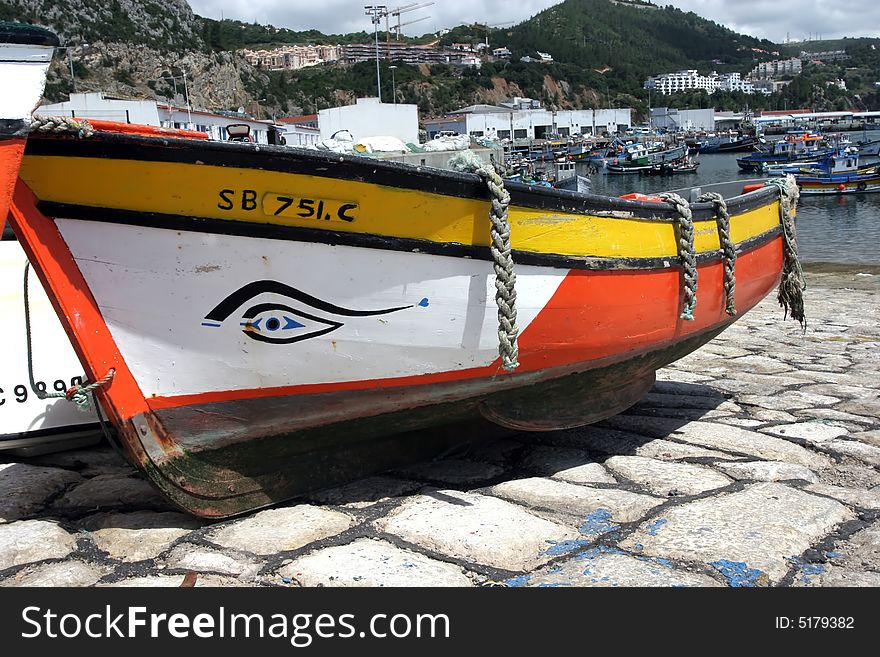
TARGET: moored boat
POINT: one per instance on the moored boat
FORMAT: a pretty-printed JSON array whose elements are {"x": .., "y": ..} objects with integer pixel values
[
  {"x": 25, "y": 54},
  {"x": 798, "y": 145},
  {"x": 277, "y": 320},
  {"x": 839, "y": 174}
]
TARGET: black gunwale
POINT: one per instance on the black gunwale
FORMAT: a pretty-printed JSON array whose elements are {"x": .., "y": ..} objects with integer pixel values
[
  {"x": 372, "y": 241},
  {"x": 285, "y": 159}
]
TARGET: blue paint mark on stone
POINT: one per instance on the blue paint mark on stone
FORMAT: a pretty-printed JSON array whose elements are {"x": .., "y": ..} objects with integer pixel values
[
  {"x": 737, "y": 573},
  {"x": 598, "y": 522},
  {"x": 639, "y": 547},
  {"x": 555, "y": 569},
  {"x": 551, "y": 585},
  {"x": 813, "y": 569},
  {"x": 652, "y": 529},
  {"x": 833, "y": 555},
  {"x": 520, "y": 580},
  {"x": 424, "y": 303}
]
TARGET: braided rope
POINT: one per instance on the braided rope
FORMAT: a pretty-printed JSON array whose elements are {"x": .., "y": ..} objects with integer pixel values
[
  {"x": 687, "y": 252},
  {"x": 792, "y": 284},
  {"x": 78, "y": 394},
  {"x": 505, "y": 277},
  {"x": 59, "y": 124},
  {"x": 728, "y": 249}
]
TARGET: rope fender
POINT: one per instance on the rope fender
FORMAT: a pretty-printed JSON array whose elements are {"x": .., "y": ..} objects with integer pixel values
[
  {"x": 728, "y": 248},
  {"x": 792, "y": 284},
  {"x": 687, "y": 252},
  {"x": 505, "y": 277},
  {"x": 59, "y": 124}
]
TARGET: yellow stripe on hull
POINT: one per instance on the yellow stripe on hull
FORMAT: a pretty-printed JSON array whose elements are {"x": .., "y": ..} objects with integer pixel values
[{"x": 255, "y": 196}]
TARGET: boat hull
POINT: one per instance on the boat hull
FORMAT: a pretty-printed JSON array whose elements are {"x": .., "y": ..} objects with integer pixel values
[{"x": 257, "y": 356}]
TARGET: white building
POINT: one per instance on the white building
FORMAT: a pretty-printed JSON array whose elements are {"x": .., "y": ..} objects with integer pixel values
[
  {"x": 776, "y": 68},
  {"x": 99, "y": 106},
  {"x": 493, "y": 122},
  {"x": 370, "y": 118},
  {"x": 672, "y": 119},
  {"x": 293, "y": 57},
  {"x": 686, "y": 80}
]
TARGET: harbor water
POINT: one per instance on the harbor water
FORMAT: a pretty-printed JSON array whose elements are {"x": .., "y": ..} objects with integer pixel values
[{"x": 840, "y": 230}]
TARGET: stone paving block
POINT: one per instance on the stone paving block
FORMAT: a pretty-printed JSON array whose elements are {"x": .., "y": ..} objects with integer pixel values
[
  {"x": 666, "y": 450},
  {"x": 721, "y": 437},
  {"x": 476, "y": 528},
  {"x": 570, "y": 465},
  {"x": 199, "y": 559},
  {"x": 364, "y": 492},
  {"x": 682, "y": 376},
  {"x": 139, "y": 535},
  {"x": 667, "y": 387},
  {"x": 665, "y": 478},
  {"x": 166, "y": 581},
  {"x": 596, "y": 439},
  {"x": 868, "y": 437},
  {"x": 768, "y": 471},
  {"x": 839, "y": 390},
  {"x": 759, "y": 365},
  {"x": 25, "y": 489},
  {"x": 748, "y": 535},
  {"x": 789, "y": 400},
  {"x": 853, "y": 449},
  {"x": 862, "y": 498},
  {"x": 367, "y": 562},
  {"x": 831, "y": 414},
  {"x": 743, "y": 422},
  {"x": 279, "y": 530},
  {"x": 811, "y": 432},
  {"x": 112, "y": 492},
  {"x": 839, "y": 577},
  {"x": 698, "y": 402},
  {"x": 600, "y": 567},
  {"x": 27, "y": 541},
  {"x": 454, "y": 472},
  {"x": 572, "y": 499},
  {"x": 766, "y": 415},
  {"x": 869, "y": 407},
  {"x": 62, "y": 573}
]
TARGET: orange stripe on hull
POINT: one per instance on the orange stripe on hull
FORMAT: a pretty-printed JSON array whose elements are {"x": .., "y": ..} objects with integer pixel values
[
  {"x": 592, "y": 316},
  {"x": 76, "y": 308},
  {"x": 11, "y": 151}
]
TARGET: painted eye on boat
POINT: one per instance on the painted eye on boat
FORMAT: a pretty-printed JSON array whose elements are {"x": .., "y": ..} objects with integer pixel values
[{"x": 277, "y": 323}]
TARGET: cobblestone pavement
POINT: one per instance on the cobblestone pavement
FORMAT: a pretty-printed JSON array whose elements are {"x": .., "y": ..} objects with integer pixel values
[{"x": 753, "y": 462}]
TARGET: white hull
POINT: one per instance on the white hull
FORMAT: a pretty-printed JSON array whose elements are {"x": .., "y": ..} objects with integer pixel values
[
  {"x": 159, "y": 305},
  {"x": 22, "y": 414}
]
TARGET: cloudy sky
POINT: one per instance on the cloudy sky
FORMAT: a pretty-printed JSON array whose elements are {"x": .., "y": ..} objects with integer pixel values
[{"x": 769, "y": 19}]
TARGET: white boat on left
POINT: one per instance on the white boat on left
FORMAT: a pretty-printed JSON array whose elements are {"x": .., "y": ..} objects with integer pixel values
[{"x": 29, "y": 425}]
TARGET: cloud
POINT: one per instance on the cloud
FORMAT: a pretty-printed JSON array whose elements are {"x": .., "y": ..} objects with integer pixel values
[{"x": 800, "y": 19}]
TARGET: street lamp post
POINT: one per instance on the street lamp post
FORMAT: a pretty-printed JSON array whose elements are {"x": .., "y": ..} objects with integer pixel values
[
  {"x": 393, "y": 84},
  {"x": 376, "y": 12},
  {"x": 70, "y": 62}
]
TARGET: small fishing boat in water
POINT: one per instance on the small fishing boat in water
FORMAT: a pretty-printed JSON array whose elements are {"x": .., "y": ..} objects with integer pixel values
[
  {"x": 839, "y": 174},
  {"x": 263, "y": 321}
]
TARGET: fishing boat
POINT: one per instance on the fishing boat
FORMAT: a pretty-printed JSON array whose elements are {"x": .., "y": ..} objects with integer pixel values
[
  {"x": 25, "y": 54},
  {"x": 798, "y": 145},
  {"x": 566, "y": 177},
  {"x": 30, "y": 425},
  {"x": 729, "y": 143},
  {"x": 262, "y": 321},
  {"x": 839, "y": 174},
  {"x": 671, "y": 168}
]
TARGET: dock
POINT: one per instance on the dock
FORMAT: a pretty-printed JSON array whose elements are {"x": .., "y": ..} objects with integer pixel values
[{"x": 754, "y": 461}]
